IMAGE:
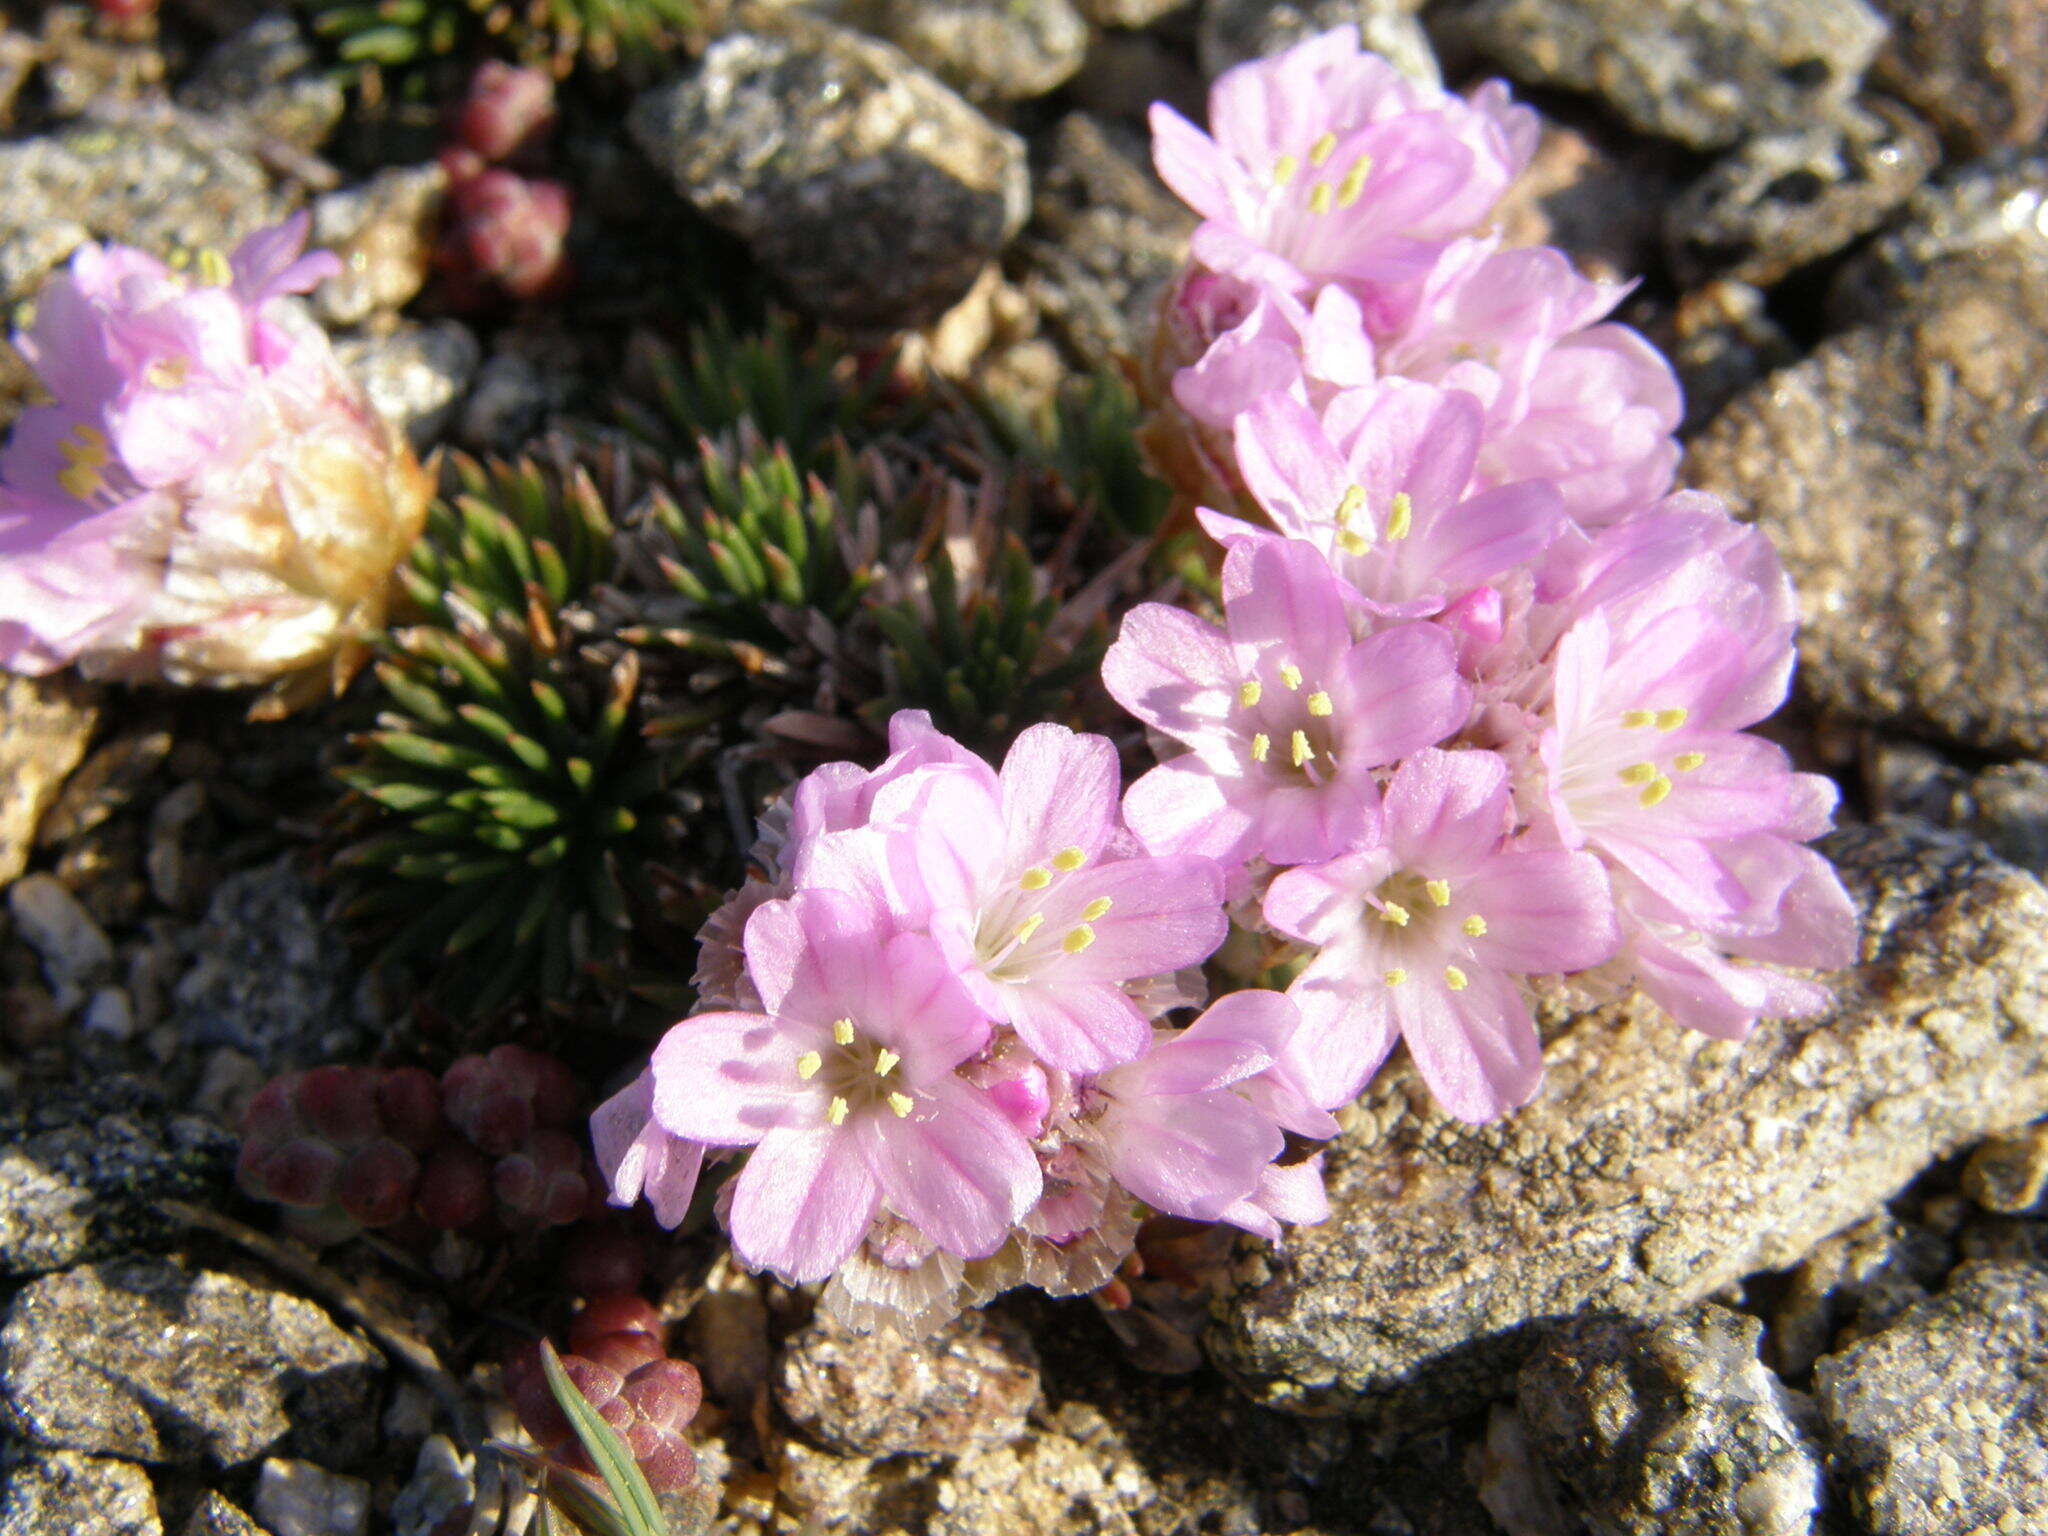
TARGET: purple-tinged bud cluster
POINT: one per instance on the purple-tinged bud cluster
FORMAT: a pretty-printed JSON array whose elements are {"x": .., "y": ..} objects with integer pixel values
[
  {"x": 617, "y": 1361},
  {"x": 350, "y": 1148},
  {"x": 506, "y": 232},
  {"x": 934, "y": 1034},
  {"x": 1476, "y": 718}
]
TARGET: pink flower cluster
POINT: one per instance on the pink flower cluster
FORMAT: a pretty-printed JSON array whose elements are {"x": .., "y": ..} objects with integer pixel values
[
  {"x": 1476, "y": 718},
  {"x": 934, "y": 1033},
  {"x": 209, "y": 498}
]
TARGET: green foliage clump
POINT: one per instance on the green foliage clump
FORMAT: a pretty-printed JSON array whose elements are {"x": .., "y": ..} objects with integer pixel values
[{"x": 403, "y": 35}]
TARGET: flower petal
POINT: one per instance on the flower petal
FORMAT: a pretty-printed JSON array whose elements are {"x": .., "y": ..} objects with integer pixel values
[
  {"x": 955, "y": 1168},
  {"x": 727, "y": 1078},
  {"x": 802, "y": 1204},
  {"x": 1477, "y": 1049}
]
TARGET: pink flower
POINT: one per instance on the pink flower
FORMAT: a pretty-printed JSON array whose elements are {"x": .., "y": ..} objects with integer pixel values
[
  {"x": 1023, "y": 880},
  {"x": 1327, "y": 164},
  {"x": 846, "y": 1085},
  {"x": 1426, "y": 937},
  {"x": 1286, "y": 716},
  {"x": 210, "y": 498},
  {"x": 639, "y": 1158}
]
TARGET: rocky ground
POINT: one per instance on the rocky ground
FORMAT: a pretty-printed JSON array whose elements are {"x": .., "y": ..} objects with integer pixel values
[{"x": 1799, "y": 1286}]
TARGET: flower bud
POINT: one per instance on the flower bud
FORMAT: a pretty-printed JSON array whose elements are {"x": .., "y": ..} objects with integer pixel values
[{"x": 509, "y": 111}]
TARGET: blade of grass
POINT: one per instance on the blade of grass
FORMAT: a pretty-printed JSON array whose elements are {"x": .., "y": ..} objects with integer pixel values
[{"x": 608, "y": 1452}]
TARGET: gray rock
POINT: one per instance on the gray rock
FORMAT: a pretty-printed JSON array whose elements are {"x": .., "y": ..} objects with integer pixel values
[
  {"x": 1940, "y": 1423},
  {"x": 417, "y": 375},
  {"x": 1656, "y": 1165},
  {"x": 168, "y": 181},
  {"x": 215, "y": 1516},
  {"x": 1854, "y": 1284},
  {"x": 2008, "y": 1174},
  {"x": 270, "y": 74},
  {"x": 1721, "y": 339},
  {"x": 1898, "y": 471},
  {"x": 119, "y": 772},
  {"x": 173, "y": 1366},
  {"x": 268, "y": 976},
  {"x": 1238, "y": 31},
  {"x": 76, "y": 953},
  {"x": 1998, "y": 205},
  {"x": 81, "y": 1167},
  {"x": 2005, "y": 805},
  {"x": 1976, "y": 69},
  {"x": 61, "y": 1493},
  {"x": 989, "y": 50},
  {"x": 1671, "y": 1425},
  {"x": 969, "y": 1385},
  {"x": 868, "y": 189},
  {"x": 45, "y": 723},
  {"x": 297, "y": 1498},
  {"x": 1104, "y": 242},
  {"x": 1704, "y": 72},
  {"x": 1129, "y": 13},
  {"x": 1782, "y": 200},
  {"x": 385, "y": 232}
]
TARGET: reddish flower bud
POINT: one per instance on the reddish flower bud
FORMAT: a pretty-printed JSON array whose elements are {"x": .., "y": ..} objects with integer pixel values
[
  {"x": 454, "y": 1188},
  {"x": 338, "y": 1104},
  {"x": 509, "y": 111},
  {"x": 508, "y": 232},
  {"x": 614, "y": 1314},
  {"x": 621, "y": 1352},
  {"x": 543, "y": 1182},
  {"x": 409, "y": 1106},
  {"x": 300, "y": 1173},
  {"x": 665, "y": 1392},
  {"x": 376, "y": 1185}
]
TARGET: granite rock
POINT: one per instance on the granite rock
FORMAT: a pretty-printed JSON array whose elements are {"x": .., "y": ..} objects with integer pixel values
[
  {"x": 1597, "y": 197},
  {"x": 61, "y": 1493},
  {"x": 1996, "y": 206},
  {"x": 1976, "y": 69},
  {"x": 1238, "y": 31},
  {"x": 1671, "y": 1425},
  {"x": 168, "y": 1365},
  {"x": 417, "y": 376},
  {"x": 869, "y": 190},
  {"x": 269, "y": 72},
  {"x": 2005, "y": 805},
  {"x": 1720, "y": 339},
  {"x": 75, "y": 951},
  {"x": 988, "y": 50},
  {"x": 385, "y": 232},
  {"x": 1853, "y": 1284},
  {"x": 1656, "y": 1165},
  {"x": 45, "y": 723},
  {"x": 1940, "y": 1423},
  {"x": 298, "y": 1498},
  {"x": 214, "y": 1515},
  {"x": 1898, "y": 471},
  {"x": 1704, "y": 72},
  {"x": 2008, "y": 1174}
]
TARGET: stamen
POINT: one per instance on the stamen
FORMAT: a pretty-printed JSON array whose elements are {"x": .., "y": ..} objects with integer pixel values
[
  {"x": 1475, "y": 926},
  {"x": 1250, "y": 692},
  {"x": 1352, "y": 543},
  {"x": 1396, "y": 977},
  {"x": 1067, "y": 860},
  {"x": 842, "y": 1031},
  {"x": 1638, "y": 719},
  {"x": 1638, "y": 773},
  {"x": 1401, "y": 518},
  {"x": 1299, "y": 748},
  {"x": 1655, "y": 793},
  {"x": 886, "y": 1063},
  {"x": 1321, "y": 198},
  {"x": 1670, "y": 719},
  {"x": 1439, "y": 891},
  {"x": 1078, "y": 939},
  {"x": 901, "y": 1104},
  {"x": 1393, "y": 912},
  {"x": 168, "y": 373},
  {"x": 214, "y": 270},
  {"x": 1353, "y": 185},
  {"x": 1290, "y": 676},
  {"x": 807, "y": 1065},
  {"x": 1028, "y": 927},
  {"x": 1096, "y": 909},
  {"x": 80, "y": 480},
  {"x": 1036, "y": 878},
  {"x": 1456, "y": 979},
  {"x": 1685, "y": 762},
  {"x": 1262, "y": 744},
  {"x": 1322, "y": 149},
  {"x": 1352, "y": 504},
  {"x": 836, "y": 1112},
  {"x": 1284, "y": 169},
  {"x": 1319, "y": 704}
]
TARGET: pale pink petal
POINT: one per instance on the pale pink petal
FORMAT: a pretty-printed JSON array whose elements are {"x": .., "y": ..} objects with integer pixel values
[
  {"x": 1544, "y": 911},
  {"x": 1193, "y": 1155},
  {"x": 1082, "y": 1026},
  {"x": 1180, "y": 807},
  {"x": 1059, "y": 791},
  {"x": 1477, "y": 1049},
  {"x": 955, "y": 1168},
  {"x": 1172, "y": 671},
  {"x": 802, "y": 1204},
  {"x": 1448, "y": 811},
  {"x": 1401, "y": 693},
  {"x": 1348, "y": 1025},
  {"x": 728, "y": 1078},
  {"x": 1163, "y": 914}
]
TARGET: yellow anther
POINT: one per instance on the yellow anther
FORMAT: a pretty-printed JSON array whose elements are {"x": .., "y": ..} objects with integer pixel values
[
  {"x": 1638, "y": 773},
  {"x": 842, "y": 1031},
  {"x": 1639, "y": 719},
  {"x": 1319, "y": 704},
  {"x": 1352, "y": 504},
  {"x": 901, "y": 1104},
  {"x": 1475, "y": 926},
  {"x": 1096, "y": 910},
  {"x": 1393, "y": 912},
  {"x": 1299, "y": 748},
  {"x": 1036, "y": 878},
  {"x": 1322, "y": 149},
  {"x": 886, "y": 1063},
  {"x": 1396, "y": 977},
  {"x": 1670, "y": 719},
  {"x": 80, "y": 480},
  {"x": 213, "y": 267},
  {"x": 1353, "y": 185},
  {"x": 1685, "y": 762},
  {"x": 1262, "y": 744},
  {"x": 836, "y": 1111},
  {"x": 1456, "y": 979},
  {"x": 1320, "y": 199},
  {"x": 1290, "y": 676},
  {"x": 807, "y": 1065},
  {"x": 1654, "y": 793},
  {"x": 91, "y": 437},
  {"x": 1250, "y": 692},
  {"x": 1439, "y": 891},
  {"x": 86, "y": 447},
  {"x": 1401, "y": 516},
  {"x": 1284, "y": 169},
  {"x": 1352, "y": 543},
  {"x": 1078, "y": 939},
  {"x": 1067, "y": 860},
  {"x": 168, "y": 373},
  {"x": 1029, "y": 926}
]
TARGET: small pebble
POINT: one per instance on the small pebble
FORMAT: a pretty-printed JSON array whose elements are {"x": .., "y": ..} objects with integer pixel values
[{"x": 297, "y": 1498}]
